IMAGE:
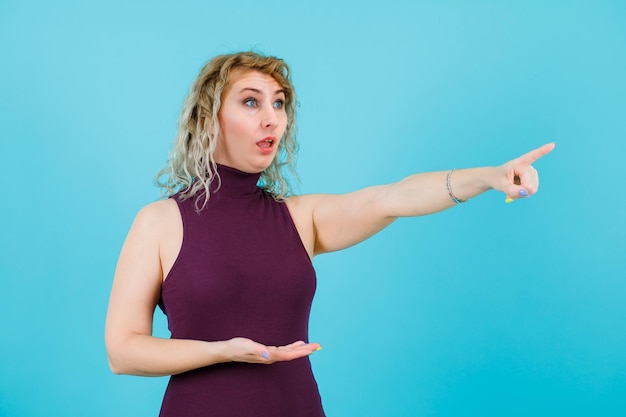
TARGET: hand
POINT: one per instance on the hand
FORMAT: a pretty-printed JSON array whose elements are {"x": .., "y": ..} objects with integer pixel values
[
  {"x": 521, "y": 179},
  {"x": 241, "y": 349}
]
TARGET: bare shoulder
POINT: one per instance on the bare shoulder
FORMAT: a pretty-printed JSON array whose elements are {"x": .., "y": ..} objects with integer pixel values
[
  {"x": 158, "y": 213},
  {"x": 156, "y": 219},
  {"x": 162, "y": 224},
  {"x": 152, "y": 223},
  {"x": 153, "y": 242},
  {"x": 304, "y": 206},
  {"x": 301, "y": 209},
  {"x": 305, "y": 201}
]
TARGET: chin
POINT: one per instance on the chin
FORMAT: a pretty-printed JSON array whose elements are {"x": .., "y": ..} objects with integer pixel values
[
  {"x": 264, "y": 164},
  {"x": 256, "y": 167}
]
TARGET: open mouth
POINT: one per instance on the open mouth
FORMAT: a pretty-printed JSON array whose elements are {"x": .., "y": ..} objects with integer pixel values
[{"x": 266, "y": 144}]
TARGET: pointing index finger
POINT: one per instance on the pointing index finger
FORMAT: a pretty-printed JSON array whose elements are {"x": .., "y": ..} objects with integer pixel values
[{"x": 532, "y": 156}]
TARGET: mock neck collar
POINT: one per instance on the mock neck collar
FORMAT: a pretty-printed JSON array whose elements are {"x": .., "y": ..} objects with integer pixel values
[{"x": 235, "y": 183}]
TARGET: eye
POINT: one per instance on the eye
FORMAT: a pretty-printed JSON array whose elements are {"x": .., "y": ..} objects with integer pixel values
[
  {"x": 250, "y": 102},
  {"x": 279, "y": 104}
]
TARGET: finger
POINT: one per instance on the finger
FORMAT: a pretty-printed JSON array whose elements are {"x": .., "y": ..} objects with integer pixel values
[
  {"x": 299, "y": 344},
  {"x": 524, "y": 185},
  {"x": 528, "y": 182},
  {"x": 532, "y": 156},
  {"x": 515, "y": 193},
  {"x": 290, "y": 352},
  {"x": 306, "y": 348},
  {"x": 515, "y": 187},
  {"x": 294, "y": 344},
  {"x": 288, "y": 355}
]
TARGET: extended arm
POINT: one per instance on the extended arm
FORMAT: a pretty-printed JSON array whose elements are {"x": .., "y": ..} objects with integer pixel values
[
  {"x": 131, "y": 348},
  {"x": 339, "y": 221}
]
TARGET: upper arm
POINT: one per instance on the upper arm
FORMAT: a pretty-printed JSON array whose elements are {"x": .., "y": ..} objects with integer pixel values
[
  {"x": 139, "y": 274},
  {"x": 339, "y": 221}
]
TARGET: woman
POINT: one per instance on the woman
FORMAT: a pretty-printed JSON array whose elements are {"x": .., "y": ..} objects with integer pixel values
[{"x": 229, "y": 262}]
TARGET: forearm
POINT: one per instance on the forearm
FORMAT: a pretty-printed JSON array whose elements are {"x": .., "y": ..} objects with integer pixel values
[
  {"x": 427, "y": 193},
  {"x": 151, "y": 356}
]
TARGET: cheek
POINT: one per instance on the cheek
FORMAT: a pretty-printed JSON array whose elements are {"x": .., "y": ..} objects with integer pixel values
[
  {"x": 283, "y": 124},
  {"x": 232, "y": 125}
]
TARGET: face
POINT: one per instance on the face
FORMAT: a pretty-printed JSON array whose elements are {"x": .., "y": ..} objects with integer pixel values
[{"x": 252, "y": 122}]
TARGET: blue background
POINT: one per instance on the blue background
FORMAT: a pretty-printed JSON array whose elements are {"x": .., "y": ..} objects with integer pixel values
[{"x": 487, "y": 309}]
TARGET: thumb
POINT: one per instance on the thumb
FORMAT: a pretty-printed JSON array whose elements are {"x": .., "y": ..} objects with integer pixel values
[{"x": 516, "y": 191}]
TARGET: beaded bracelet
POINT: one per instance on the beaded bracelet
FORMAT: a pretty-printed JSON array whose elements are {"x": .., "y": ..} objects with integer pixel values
[{"x": 450, "y": 193}]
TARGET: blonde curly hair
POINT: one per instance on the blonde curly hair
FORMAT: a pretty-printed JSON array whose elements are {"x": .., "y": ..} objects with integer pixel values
[{"x": 191, "y": 167}]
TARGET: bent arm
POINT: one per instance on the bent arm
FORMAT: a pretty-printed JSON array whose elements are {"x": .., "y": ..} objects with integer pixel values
[
  {"x": 340, "y": 221},
  {"x": 131, "y": 348}
]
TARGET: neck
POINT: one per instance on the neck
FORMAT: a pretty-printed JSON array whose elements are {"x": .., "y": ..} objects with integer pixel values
[{"x": 234, "y": 182}]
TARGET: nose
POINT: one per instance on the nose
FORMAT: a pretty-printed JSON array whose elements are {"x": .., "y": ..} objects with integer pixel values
[{"x": 270, "y": 118}]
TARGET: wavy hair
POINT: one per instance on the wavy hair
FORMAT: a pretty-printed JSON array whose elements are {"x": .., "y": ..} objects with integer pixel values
[{"x": 191, "y": 168}]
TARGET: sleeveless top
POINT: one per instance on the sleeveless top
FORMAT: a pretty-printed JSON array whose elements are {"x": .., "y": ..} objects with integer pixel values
[{"x": 242, "y": 271}]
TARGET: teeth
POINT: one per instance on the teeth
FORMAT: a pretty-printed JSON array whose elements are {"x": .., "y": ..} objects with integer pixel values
[{"x": 267, "y": 143}]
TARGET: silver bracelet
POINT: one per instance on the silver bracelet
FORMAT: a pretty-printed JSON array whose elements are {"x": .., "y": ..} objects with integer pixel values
[{"x": 450, "y": 193}]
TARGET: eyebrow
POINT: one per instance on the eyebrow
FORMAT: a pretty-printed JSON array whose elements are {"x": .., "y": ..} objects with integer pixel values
[{"x": 255, "y": 90}]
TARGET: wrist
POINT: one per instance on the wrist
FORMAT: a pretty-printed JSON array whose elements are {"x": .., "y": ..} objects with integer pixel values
[
  {"x": 221, "y": 351},
  {"x": 453, "y": 196},
  {"x": 465, "y": 184},
  {"x": 488, "y": 180}
]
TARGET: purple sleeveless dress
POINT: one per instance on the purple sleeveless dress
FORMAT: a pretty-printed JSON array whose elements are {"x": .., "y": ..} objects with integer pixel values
[{"x": 242, "y": 271}]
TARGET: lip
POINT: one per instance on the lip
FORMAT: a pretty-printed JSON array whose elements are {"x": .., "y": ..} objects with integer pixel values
[{"x": 267, "y": 144}]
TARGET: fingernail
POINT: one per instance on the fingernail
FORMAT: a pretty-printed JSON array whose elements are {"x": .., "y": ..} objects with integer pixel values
[
  {"x": 319, "y": 348},
  {"x": 523, "y": 193},
  {"x": 509, "y": 200},
  {"x": 266, "y": 355}
]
